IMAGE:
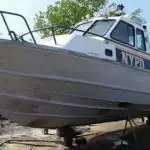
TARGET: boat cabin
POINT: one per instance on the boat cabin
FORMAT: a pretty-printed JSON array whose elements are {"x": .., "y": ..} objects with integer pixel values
[
  {"x": 125, "y": 30},
  {"x": 123, "y": 39}
]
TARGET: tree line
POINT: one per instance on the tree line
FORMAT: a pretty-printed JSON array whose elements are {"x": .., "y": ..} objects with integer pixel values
[{"x": 69, "y": 12}]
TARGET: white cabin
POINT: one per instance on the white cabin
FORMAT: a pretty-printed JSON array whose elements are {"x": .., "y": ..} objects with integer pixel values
[{"x": 106, "y": 38}]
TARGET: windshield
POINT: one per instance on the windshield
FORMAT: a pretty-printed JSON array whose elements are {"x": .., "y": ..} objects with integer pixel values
[
  {"x": 82, "y": 27},
  {"x": 100, "y": 27}
]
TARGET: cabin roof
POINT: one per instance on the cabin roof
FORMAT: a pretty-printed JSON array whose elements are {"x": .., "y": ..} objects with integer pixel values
[{"x": 127, "y": 18}]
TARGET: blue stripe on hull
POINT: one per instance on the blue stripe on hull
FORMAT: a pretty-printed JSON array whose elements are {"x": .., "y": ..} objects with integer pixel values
[{"x": 132, "y": 60}]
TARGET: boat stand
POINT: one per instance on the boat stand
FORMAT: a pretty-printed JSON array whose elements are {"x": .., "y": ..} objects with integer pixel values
[
  {"x": 131, "y": 122},
  {"x": 68, "y": 134},
  {"x": 1, "y": 121},
  {"x": 46, "y": 131},
  {"x": 148, "y": 120}
]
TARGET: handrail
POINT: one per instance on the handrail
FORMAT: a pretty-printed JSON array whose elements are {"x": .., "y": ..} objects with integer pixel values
[
  {"x": 15, "y": 14},
  {"x": 53, "y": 32}
]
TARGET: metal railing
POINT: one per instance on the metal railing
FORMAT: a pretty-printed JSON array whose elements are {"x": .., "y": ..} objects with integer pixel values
[
  {"x": 54, "y": 29},
  {"x": 12, "y": 34}
]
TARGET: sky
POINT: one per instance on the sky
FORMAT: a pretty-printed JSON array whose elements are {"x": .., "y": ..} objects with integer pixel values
[
  {"x": 28, "y": 8},
  {"x": 131, "y": 5}
]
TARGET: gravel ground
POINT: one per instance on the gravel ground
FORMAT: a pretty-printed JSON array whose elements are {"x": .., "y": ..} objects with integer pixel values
[{"x": 104, "y": 136}]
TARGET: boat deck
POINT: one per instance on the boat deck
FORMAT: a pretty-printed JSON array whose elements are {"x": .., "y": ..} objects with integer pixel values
[{"x": 101, "y": 137}]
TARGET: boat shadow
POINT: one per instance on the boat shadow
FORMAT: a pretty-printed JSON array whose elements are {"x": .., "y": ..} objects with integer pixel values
[{"x": 112, "y": 140}]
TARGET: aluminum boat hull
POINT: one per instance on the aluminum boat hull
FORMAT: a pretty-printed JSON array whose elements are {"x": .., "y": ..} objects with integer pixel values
[{"x": 49, "y": 87}]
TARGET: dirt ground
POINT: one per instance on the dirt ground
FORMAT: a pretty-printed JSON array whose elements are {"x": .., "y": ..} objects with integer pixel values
[{"x": 104, "y": 136}]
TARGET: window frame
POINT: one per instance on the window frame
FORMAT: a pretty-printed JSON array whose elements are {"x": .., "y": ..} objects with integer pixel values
[
  {"x": 75, "y": 28},
  {"x": 122, "y": 41},
  {"x": 143, "y": 50},
  {"x": 98, "y": 21}
]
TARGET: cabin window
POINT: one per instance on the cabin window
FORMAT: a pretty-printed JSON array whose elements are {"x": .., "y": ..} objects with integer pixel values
[
  {"x": 100, "y": 27},
  {"x": 140, "y": 40},
  {"x": 83, "y": 27},
  {"x": 124, "y": 33}
]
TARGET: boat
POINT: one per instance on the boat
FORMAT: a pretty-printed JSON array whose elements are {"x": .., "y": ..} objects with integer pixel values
[{"x": 98, "y": 71}]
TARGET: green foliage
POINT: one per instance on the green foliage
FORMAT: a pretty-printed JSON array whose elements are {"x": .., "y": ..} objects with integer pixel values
[
  {"x": 66, "y": 13},
  {"x": 138, "y": 13}
]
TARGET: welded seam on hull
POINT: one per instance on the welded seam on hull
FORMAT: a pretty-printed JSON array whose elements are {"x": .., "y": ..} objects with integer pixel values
[
  {"x": 26, "y": 98},
  {"x": 51, "y": 115},
  {"x": 3, "y": 111},
  {"x": 64, "y": 79}
]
